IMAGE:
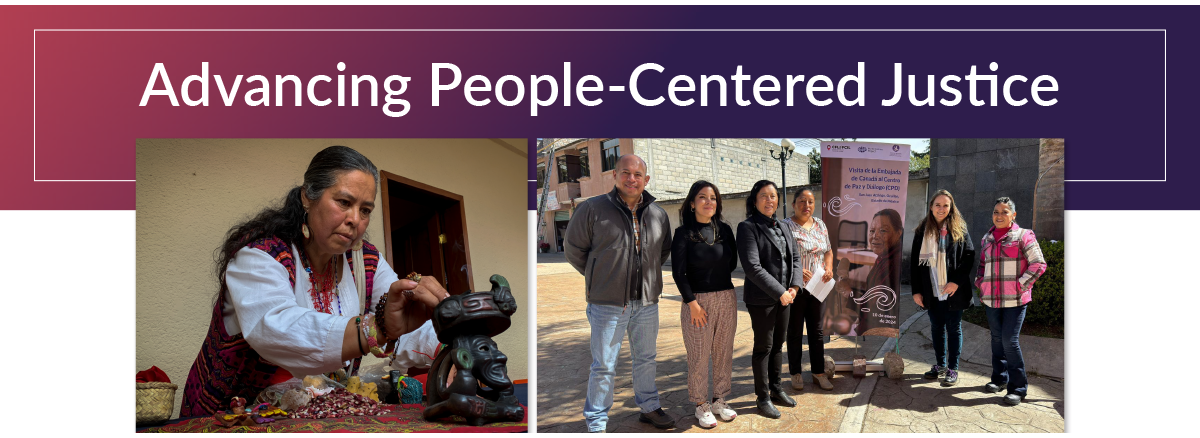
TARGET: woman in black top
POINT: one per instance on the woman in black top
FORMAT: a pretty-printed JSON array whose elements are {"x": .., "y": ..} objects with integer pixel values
[
  {"x": 941, "y": 262},
  {"x": 773, "y": 278},
  {"x": 703, "y": 256}
]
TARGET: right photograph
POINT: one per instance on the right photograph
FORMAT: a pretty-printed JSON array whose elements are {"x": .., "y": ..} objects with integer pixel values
[{"x": 772, "y": 285}]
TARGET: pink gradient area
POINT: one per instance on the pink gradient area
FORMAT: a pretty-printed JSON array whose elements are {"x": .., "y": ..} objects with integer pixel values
[
  {"x": 90, "y": 85},
  {"x": 83, "y": 81}
]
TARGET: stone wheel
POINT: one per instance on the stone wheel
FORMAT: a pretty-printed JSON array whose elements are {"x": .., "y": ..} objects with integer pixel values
[
  {"x": 829, "y": 366},
  {"x": 893, "y": 365}
]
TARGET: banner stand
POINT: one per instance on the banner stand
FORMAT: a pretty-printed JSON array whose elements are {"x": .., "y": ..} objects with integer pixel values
[{"x": 864, "y": 190}]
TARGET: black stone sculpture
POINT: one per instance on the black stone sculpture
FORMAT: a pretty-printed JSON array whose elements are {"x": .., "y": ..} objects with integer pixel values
[{"x": 467, "y": 324}]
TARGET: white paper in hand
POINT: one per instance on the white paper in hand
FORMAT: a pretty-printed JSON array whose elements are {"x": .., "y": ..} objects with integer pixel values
[
  {"x": 818, "y": 288},
  {"x": 942, "y": 295}
]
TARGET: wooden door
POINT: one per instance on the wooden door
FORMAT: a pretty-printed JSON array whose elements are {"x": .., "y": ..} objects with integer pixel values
[{"x": 425, "y": 228}]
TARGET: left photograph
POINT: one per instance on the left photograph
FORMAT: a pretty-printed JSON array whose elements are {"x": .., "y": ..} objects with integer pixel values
[{"x": 332, "y": 285}]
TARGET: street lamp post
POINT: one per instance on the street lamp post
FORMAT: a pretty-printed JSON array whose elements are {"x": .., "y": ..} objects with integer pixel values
[{"x": 787, "y": 148}]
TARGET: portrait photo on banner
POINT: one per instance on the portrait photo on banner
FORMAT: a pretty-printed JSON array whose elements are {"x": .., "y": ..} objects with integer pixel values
[
  {"x": 359, "y": 285},
  {"x": 864, "y": 186}
]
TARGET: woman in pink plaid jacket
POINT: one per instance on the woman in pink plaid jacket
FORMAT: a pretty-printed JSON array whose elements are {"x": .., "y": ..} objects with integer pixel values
[{"x": 1009, "y": 263}]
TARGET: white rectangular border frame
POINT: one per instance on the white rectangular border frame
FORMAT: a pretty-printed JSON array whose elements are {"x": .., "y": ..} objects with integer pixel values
[{"x": 35, "y": 31}]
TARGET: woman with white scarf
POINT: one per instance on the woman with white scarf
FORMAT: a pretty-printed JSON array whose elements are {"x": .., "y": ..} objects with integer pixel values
[{"x": 941, "y": 263}]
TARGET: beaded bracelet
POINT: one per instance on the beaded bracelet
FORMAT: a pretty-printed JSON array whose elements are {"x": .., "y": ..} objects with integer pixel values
[
  {"x": 379, "y": 312},
  {"x": 364, "y": 327},
  {"x": 357, "y": 322},
  {"x": 375, "y": 350}
]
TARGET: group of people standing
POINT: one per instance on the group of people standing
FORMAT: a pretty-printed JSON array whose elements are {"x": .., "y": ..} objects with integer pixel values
[
  {"x": 943, "y": 262},
  {"x": 619, "y": 242}
]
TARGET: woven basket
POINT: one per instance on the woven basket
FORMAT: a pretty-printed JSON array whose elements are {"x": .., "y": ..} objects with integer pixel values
[{"x": 155, "y": 402}]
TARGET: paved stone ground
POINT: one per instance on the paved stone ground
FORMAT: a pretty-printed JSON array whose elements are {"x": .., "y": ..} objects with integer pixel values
[
  {"x": 909, "y": 404},
  {"x": 913, "y": 404}
]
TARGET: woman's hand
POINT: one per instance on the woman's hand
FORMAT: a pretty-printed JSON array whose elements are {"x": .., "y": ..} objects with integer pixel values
[
  {"x": 949, "y": 289},
  {"x": 699, "y": 316},
  {"x": 828, "y": 274},
  {"x": 917, "y": 298},
  {"x": 404, "y": 312},
  {"x": 807, "y": 276},
  {"x": 788, "y": 296}
]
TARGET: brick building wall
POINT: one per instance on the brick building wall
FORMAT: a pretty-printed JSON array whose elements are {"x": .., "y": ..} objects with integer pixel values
[{"x": 733, "y": 164}]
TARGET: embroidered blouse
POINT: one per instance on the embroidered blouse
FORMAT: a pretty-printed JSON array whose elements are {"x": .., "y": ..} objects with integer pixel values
[
  {"x": 279, "y": 322},
  {"x": 812, "y": 243}
]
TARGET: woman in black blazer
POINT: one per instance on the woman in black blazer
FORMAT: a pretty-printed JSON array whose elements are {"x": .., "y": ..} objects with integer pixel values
[
  {"x": 941, "y": 262},
  {"x": 773, "y": 278}
]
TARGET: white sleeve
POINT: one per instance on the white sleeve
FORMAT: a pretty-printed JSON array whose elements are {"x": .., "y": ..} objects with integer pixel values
[
  {"x": 416, "y": 349},
  {"x": 384, "y": 277},
  {"x": 413, "y": 350},
  {"x": 301, "y": 340}
]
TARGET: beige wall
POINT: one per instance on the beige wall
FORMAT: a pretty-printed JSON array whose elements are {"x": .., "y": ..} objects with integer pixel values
[{"x": 190, "y": 192}]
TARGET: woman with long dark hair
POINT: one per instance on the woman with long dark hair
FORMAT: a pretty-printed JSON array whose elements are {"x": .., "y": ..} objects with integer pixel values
[
  {"x": 703, "y": 256},
  {"x": 773, "y": 278},
  {"x": 302, "y": 292},
  {"x": 941, "y": 262}
]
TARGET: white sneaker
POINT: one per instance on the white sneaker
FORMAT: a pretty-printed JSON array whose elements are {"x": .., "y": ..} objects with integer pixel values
[
  {"x": 704, "y": 414},
  {"x": 727, "y": 413}
]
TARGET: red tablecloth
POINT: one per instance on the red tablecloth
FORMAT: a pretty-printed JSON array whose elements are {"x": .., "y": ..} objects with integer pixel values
[{"x": 403, "y": 418}]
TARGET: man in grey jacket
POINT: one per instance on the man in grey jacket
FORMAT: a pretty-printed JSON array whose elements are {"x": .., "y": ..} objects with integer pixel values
[{"x": 619, "y": 242}]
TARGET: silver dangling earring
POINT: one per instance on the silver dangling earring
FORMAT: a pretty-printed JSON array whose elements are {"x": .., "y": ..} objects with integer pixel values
[{"x": 304, "y": 226}]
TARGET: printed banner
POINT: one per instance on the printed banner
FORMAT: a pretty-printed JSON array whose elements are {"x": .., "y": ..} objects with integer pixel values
[{"x": 864, "y": 186}]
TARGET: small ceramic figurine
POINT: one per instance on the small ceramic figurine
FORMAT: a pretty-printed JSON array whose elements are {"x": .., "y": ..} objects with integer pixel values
[
  {"x": 467, "y": 324},
  {"x": 411, "y": 391},
  {"x": 236, "y": 416},
  {"x": 238, "y": 405}
]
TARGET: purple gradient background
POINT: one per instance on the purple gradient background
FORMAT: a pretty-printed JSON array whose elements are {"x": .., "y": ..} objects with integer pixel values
[{"x": 1110, "y": 106}]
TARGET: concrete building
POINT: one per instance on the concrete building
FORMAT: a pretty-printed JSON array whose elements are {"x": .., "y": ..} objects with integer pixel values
[
  {"x": 583, "y": 169},
  {"x": 979, "y": 170}
]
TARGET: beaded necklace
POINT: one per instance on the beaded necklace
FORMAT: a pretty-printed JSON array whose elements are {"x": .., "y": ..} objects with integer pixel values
[{"x": 323, "y": 292}]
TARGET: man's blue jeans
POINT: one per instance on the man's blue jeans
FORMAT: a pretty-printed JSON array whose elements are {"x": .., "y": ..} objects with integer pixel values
[
  {"x": 609, "y": 326},
  {"x": 1008, "y": 367}
]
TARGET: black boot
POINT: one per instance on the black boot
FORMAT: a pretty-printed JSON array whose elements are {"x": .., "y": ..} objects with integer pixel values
[
  {"x": 766, "y": 409},
  {"x": 782, "y": 399}
]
